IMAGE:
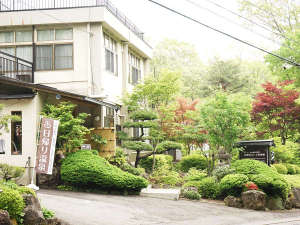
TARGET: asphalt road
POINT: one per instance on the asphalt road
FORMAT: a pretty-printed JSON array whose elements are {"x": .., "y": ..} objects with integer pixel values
[{"x": 94, "y": 209}]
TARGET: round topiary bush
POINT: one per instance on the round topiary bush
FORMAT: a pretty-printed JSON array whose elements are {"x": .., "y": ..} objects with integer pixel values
[
  {"x": 84, "y": 169},
  {"x": 12, "y": 201},
  {"x": 160, "y": 161},
  {"x": 291, "y": 169},
  {"x": 233, "y": 184},
  {"x": 195, "y": 160},
  {"x": 208, "y": 188},
  {"x": 280, "y": 168}
]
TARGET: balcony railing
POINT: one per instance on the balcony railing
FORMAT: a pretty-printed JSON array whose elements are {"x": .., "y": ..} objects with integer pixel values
[
  {"x": 16, "y": 68},
  {"x": 27, "y": 5}
]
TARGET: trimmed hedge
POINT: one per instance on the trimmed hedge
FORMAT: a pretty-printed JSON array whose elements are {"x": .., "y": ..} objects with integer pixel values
[
  {"x": 160, "y": 161},
  {"x": 275, "y": 185},
  {"x": 281, "y": 168},
  {"x": 233, "y": 184},
  {"x": 195, "y": 160},
  {"x": 84, "y": 169},
  {"x": 208, "y": 188}
]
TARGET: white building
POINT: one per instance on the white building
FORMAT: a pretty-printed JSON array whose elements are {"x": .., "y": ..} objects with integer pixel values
[{"x": 79, "y": 48}]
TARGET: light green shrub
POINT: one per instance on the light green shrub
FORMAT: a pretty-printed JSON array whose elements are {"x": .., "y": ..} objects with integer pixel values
[
  {"x": 193, "y": 195},
  {"x": 195, "y": 175},
  {"x": 164, "y": 176},
  {"x": 193, "y": 161},
  {"x": 281, "y": 168},
  {"x": 160, "y": 161},
  {"x": 290, "y": 168},
  {"x": 12, "y": 201},
  {"x": 209, "y": 188},
  {"x": 233, "y": 184}
]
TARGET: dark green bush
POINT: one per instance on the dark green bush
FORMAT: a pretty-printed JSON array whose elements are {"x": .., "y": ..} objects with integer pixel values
[
  {"x": 84, "y": 169},
  {"x": 277, "y": 184},
  {"x": 195, "y": 160},
  {"x": 281, "y": 168},
  {"x": 12, "y": 201},
  {"x": 233, "y": 184},
  {"x": 291, "y": 169},
  {"x": 191, "y": 195},
  {"x": 209, "y": 188},
  {"x": 160, "y": 161}
]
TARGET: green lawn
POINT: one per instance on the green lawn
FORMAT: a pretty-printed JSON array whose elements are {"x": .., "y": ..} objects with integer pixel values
[{"x": 294, "y": 180}]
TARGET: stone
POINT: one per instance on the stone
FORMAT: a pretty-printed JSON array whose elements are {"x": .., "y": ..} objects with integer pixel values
[
  {"x": 288, "y": 204},
  {"x": 4, "y": 217},
  {"x": 190, "y": 189},
  {"x": 232, "y": 201},
  {"x": 33, "y": 214},
  {"x": 56, "y": 221},
  {"x": 275, "y": 203},
  {"x": 254, "y": 199}
]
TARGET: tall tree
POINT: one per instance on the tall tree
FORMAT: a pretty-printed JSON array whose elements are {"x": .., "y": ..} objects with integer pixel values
[{"x": 276, "y": 110}]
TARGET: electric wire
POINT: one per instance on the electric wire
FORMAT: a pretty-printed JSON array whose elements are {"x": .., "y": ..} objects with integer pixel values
[{"x": 224, "y": 33}]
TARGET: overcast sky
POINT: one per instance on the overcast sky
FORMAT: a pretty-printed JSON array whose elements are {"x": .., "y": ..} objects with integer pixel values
[{"x": 158, "y": 23}]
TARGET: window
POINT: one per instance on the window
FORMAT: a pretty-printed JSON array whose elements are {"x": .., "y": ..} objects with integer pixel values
[
  {"x": 23, "y": 52},
  {"x": 16, "y": 135},
  {"x": 109, "y": 118},
  {"x": 6, "y": 37},
  {"x": 111, "y": 56},
  {"x": 53, "y": 55},
  {"x": 24, "y": 36},
  {"x": 134, "y": 69}
]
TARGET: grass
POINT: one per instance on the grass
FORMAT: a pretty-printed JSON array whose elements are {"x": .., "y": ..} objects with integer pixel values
[{"x": 294, "y": 180}]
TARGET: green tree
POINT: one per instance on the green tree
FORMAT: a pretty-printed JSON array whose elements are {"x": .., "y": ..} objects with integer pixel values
[
  {"x": 6, "y": 119},
  {"x": 71, "y": 130},
  {"x": 224, "y": 119}
]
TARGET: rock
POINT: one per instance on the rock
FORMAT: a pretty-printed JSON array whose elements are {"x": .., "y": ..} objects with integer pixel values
[
  {"x": 190, "y": 189},
  {"x": 275, "y": 203},
  {"x": 4, "y": 217},
  {"x": 33, "y": 211},
  {"x": 288, "y": 204},
  {"x": 56, "y": 221},
  {"x": 232, "y": 201},
  {"x": 254, "y": 200}
]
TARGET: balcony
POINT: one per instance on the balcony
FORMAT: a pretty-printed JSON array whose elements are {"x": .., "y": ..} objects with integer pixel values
[
  {"x": 16, "y": 68},
  {"x": 27, "y": 5}
]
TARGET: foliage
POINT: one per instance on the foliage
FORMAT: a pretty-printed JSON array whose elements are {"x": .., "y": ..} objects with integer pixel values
[
  {"x": 8, "y": 172},
  {"x": 222, "y": 171},
  {"x": 193, "y": 161},
  {"x": 293, "y": 180},
  {"x": 130, "y": 169},
  {"x": 285, "y": 153},
  {"x": 71, "y": 130},
  {"x": 167, "y": 145},
  {"x": 291, "y": 169},
  {"x": 233, "y": 184},
  {"x": 12, "y": 201},
  {"x": 98, "y": 139},
  {"x": 84, "y": 169},
  {"x": 190, "y": 194},
  {"x": 5, "y": 119},
  {"x": 209, "y": 188},
  {"x": 276, "y": 111},
  {"x": 264, "y": 176},
  {"x": 119, "y": 159},
  {"x": 281, "y": 168},
  {"x": 160, "y": 161},
  {"x": 165, "y": 177},
  {"x": 195, "y": 175},
  {"x": 137, "y": 146},
  {"x": 251, "y": 186},
  {"x": 48, "y": 214},
  {"x": 143, "y": 115}
]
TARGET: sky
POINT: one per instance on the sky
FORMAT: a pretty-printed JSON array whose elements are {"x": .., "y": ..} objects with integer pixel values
[{"x": 158, "y": 23}]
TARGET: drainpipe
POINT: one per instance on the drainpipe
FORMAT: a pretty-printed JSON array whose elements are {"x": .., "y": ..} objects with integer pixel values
[{"x": 33, "y": 54}]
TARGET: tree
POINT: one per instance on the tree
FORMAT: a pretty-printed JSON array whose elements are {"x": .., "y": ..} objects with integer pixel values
[
  {"x": 224, "y": 119},
  {"x": 71, "y": 130},
  {"x": 6, "y": 119},
  {"x": 281, "y": 16},
  {"x": 276, "y": 110}
]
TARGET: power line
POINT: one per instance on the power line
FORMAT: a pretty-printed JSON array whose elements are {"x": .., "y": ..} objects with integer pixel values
[
  {"x": 250, "y": 21},
  {"x": 226, "y": 34},
  {"x": 231, "y": 21}
]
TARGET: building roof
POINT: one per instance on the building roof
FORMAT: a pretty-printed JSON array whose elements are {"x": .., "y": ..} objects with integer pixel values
[
  {"x": 51, "y": 90},
  {"x": 269, "y": 142}
]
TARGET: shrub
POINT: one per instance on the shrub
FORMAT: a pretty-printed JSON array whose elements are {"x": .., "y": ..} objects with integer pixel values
[
  {"x": 222, "y": 171},
  {"x": 233, "y": 184},
  {"x": 164, "y": 176},
  {"x": 130, "y": 169},
  {"x": 195, "y": 175},
  {"x": 13, "y": 186},
  {"x": 280, "y": 168},
  {"x": 275, "y": 183},
  {"x": 189, "y": 194},
  {"x": 209, "y": 188},
  {"x": 12, "y": 201},
  {"x": 8, "y": 172},
  {"x": 48, "y": 214},
  {"x": 297, "y": 169},
  {"x": 84, "y": 169},
  {"x": 291, "y": 169},
  {"x": 193, "y": 183},
  {"x": 195, "y": 160},
  {"x": 119, "y": 159},
  {"x": 160, "y": 161},
  {"x": 26, "y": 190}
]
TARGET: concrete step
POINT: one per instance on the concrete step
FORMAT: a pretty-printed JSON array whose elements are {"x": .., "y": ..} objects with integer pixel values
[{"x": 171, "y": 194}]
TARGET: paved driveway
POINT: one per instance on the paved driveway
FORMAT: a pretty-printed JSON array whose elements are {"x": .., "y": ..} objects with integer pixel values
[{"x": 94, "y": 209}]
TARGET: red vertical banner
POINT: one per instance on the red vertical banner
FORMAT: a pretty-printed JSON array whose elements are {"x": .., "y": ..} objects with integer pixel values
[{"x": 46, "y": 146}]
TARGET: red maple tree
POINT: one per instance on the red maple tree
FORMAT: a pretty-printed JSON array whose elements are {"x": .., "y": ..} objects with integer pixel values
[{"x": 277, "y": 110}]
